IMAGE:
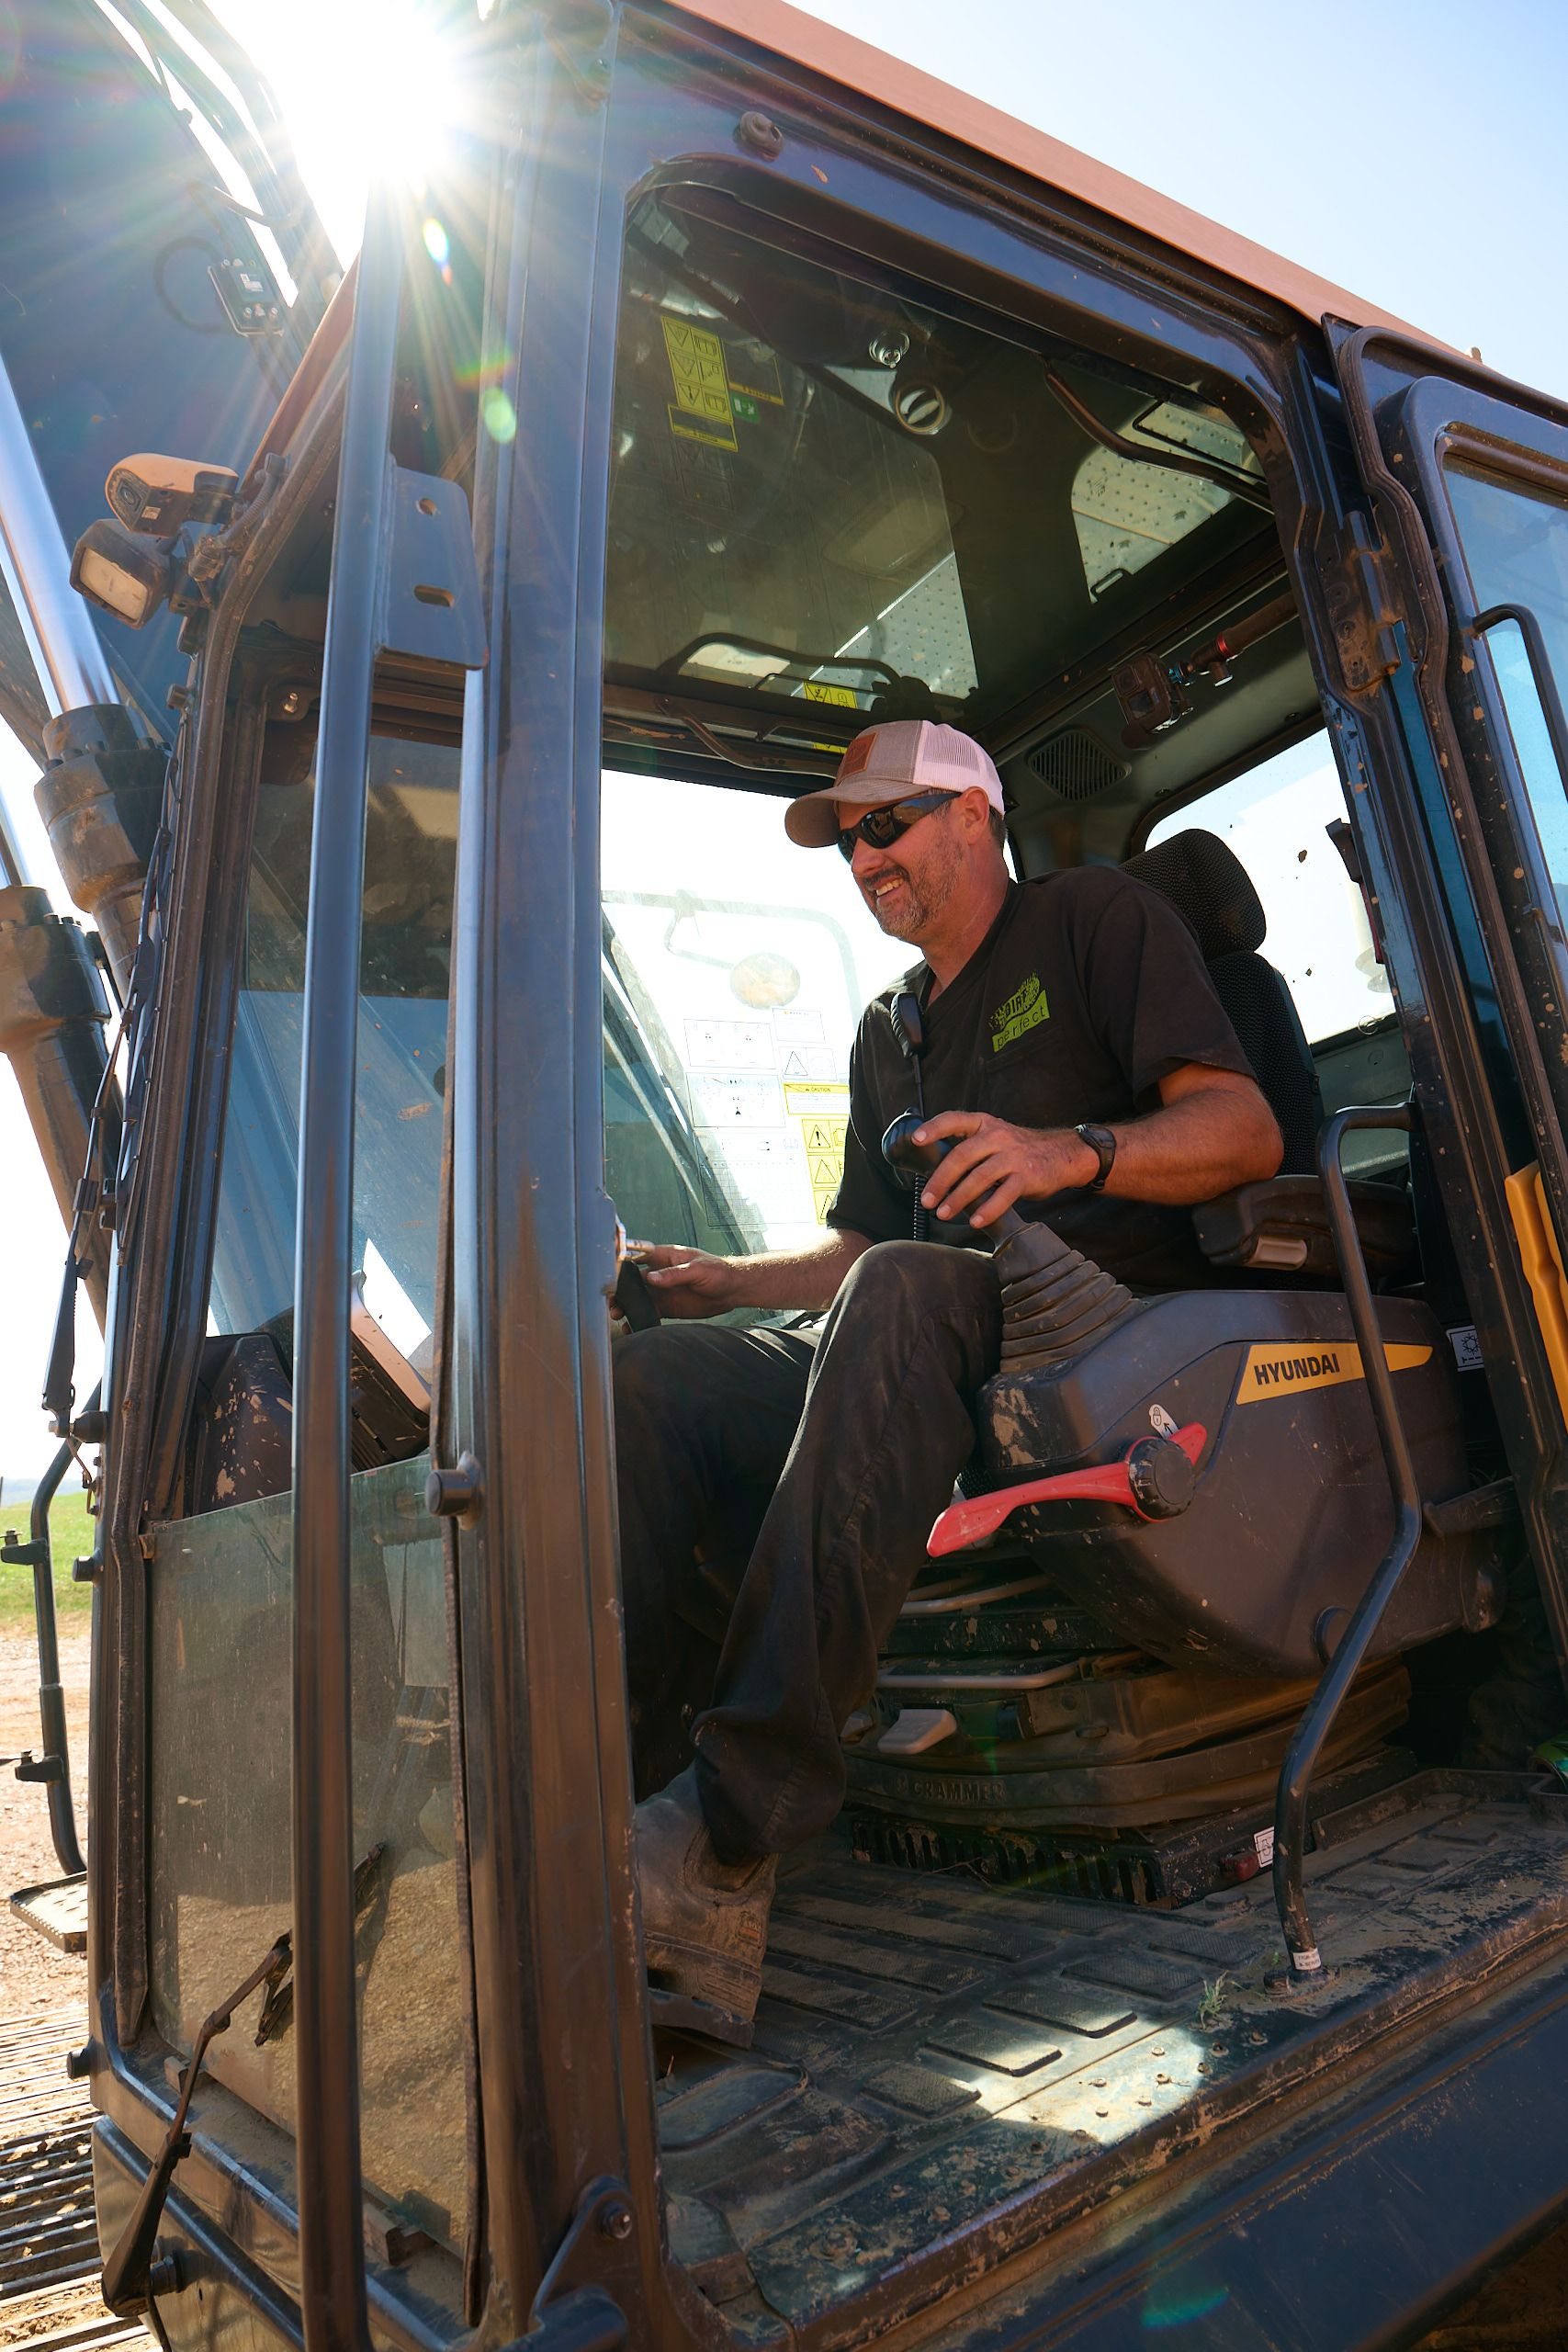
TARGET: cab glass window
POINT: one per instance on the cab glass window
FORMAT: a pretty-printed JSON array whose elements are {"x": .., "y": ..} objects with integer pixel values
[
  {"x": 1515, "y": 545},
  {"x": 827, "y": 493},
  {"x": 221, "y": 1573},
  {"x": 1276, "y": 818},
  {"x": 736, "y": 969}
]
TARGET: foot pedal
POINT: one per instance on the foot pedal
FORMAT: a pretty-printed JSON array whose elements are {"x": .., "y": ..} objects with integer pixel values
[
  {"x": 57, "y": 1911},
  {"x": 678, "y": 2013}
]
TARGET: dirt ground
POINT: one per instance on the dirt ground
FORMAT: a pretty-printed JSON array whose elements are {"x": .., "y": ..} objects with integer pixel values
[{"x": 33, "y": 1975}]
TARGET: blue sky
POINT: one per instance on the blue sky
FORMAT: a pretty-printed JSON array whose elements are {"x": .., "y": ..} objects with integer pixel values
[{"x": 1414, "y": 152}]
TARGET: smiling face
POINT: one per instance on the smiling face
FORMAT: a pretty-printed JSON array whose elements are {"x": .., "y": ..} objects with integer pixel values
[{"x": 914, "y": 885}]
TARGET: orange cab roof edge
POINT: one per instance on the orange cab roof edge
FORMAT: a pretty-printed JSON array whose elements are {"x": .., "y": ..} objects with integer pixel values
[{"x": 839, "y": 57}]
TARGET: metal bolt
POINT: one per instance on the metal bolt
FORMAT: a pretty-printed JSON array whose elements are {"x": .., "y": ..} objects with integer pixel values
[
  {"x": 618, "y": 2220},
  {"x": 762, "y": 136},
  {"x": 79, "y": 2062},
  {"x": 166, "y": 2273},
  {"x": 453, "y": 1493}
]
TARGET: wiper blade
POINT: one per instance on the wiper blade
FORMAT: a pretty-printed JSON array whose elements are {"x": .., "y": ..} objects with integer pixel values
[
  {"x": 127, "y": 2273},
  {"x": 126, "y": 2284}
]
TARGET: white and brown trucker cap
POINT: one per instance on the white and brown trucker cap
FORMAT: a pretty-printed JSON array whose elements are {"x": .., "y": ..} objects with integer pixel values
[{"x": 886, "y": 764}]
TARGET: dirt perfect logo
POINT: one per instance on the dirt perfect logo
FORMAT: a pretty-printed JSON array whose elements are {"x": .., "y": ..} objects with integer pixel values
[
  {"x": 1025, "y": 1010},
  {"x": 1276, "y": 1370}
]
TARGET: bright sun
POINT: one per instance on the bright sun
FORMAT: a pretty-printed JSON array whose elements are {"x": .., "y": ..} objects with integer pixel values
[{"x": 367, "y": 88}]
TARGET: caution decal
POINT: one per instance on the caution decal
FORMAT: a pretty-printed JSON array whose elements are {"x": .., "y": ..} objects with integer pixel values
[
  {"x": 702, "y": 408},
  {"x": 1276, "y": 1370}
]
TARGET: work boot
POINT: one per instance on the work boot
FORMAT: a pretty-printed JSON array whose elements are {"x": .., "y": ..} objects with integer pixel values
[{"x": 704, "y": 1922}]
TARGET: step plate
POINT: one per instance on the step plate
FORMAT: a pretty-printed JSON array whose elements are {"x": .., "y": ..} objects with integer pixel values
[{"x": 56, "y": 1911}]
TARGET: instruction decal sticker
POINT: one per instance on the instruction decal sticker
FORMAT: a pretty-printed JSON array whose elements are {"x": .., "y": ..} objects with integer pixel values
[{"x": 702, "y": 408}]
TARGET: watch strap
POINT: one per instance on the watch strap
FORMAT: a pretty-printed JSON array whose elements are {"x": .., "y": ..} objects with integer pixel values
[{"x": 1101, "y": 1141}]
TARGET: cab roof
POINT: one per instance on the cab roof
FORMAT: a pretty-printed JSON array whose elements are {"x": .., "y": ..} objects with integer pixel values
[{"x": 807, "y": 41}]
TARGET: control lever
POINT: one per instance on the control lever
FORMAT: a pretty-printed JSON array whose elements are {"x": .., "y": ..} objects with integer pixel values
[
  {"x": 1156, "y": 1477},
  {"x": 914, "y": 1162},
  {"x": 1056, "y": 1302}
]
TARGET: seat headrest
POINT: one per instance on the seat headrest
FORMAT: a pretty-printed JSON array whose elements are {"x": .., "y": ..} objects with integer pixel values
[{"x": 1208, "y": 884}]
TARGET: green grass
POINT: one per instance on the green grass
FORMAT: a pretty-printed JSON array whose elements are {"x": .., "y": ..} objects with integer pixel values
[{"x": 71, "y": 1536}]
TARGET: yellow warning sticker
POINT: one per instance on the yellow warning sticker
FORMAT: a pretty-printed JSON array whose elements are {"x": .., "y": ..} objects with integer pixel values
[
  {"x": 823, "y": 1138},
  {"x": 815, "y": 691},
  {"x": 818, "y": 1099},
  {"x": 1276, "y": 1370},
  {"x": 701, "y": 410}
]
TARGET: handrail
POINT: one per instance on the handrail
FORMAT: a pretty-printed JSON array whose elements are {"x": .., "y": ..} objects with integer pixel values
[
  {"x": 37, "y": 1555},
  {"x": 1307, "y": 1742},
  {"x": 50, "y": 1695},
  {"x": 331, "y": 2262}
]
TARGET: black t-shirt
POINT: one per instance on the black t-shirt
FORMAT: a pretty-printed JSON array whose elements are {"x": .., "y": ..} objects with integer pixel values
[{"x": 1088, "y": 990}]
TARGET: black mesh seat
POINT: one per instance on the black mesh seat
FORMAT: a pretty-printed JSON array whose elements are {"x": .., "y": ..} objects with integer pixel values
[
  {"x": 1280, "y": 1225},
  {"x": 1208, "y": 886}
]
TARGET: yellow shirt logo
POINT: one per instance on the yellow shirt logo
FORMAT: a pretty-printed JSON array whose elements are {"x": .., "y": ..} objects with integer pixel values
[{"x": 1025, "y": 1010}]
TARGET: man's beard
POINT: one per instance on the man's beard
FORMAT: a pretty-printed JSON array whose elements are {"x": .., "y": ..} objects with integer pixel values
[{"x": 909, "y": 913}]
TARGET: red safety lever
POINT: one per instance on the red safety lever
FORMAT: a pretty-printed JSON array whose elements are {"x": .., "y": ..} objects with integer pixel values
[{"x": 1134, "y": 1481}]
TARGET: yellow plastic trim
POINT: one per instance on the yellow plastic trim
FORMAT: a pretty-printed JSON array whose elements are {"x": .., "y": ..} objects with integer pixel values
[{"x": 1542, "y": 1257}]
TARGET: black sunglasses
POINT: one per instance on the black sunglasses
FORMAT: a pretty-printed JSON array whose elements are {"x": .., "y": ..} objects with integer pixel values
[{"x": 880, "y": 827}]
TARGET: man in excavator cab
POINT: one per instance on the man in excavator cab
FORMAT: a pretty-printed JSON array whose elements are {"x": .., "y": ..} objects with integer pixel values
[{"x": 1066, "y": 1052}]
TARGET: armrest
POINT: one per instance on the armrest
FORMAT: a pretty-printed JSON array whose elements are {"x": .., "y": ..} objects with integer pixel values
[{"x": 1282, "y": 1226}]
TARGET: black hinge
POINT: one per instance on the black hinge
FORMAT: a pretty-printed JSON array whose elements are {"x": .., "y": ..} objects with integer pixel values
[{"x": 1363, "y": 613}]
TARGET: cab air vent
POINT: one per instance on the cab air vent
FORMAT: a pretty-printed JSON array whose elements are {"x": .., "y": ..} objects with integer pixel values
[{"x": 1075, "y": 764}]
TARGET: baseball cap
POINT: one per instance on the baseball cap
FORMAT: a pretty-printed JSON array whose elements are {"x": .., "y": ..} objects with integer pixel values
[{"x": 884, "y": 763}]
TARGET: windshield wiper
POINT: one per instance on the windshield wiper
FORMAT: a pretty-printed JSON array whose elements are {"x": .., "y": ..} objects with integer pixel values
[
  {"x": 126, "y": 2282},
  {"x": 126, "y": 2279}
]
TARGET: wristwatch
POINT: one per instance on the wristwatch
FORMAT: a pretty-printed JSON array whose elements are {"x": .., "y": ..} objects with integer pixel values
[{"x": 1102, "y": 1143}]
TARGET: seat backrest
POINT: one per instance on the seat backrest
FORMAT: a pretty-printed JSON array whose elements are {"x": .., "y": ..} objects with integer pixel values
[{"x": 1208, "y": 885}]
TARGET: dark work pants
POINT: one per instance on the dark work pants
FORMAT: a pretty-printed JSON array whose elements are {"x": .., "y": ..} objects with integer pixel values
[{"x": 775, "y": 1496}]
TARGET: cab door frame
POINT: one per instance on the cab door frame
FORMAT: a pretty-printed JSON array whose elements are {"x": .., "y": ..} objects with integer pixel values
[{"x": 1470, "y": 835}]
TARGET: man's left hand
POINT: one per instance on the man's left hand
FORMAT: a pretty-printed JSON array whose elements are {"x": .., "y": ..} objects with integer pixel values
[{"x": 995, "y": 1164}]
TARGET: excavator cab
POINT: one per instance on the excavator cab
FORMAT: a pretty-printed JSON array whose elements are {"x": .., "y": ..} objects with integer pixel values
[{"x": 740, "y": 389}]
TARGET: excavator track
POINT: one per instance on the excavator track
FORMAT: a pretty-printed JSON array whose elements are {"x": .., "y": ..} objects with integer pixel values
[{"x": 49, "y": 2247}]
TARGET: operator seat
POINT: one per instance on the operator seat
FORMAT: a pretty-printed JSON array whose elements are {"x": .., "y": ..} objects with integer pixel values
[
  {"x": 1208, "y": 885},
  {"x": 1281, "y": 1225},
  {"x": 1137, "y": 1656}
]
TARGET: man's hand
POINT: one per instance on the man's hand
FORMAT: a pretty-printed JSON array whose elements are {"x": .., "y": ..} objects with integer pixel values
[
  {"x": 1212, "y": 1131},
  {"x": 995, "y": 1164},
  {"x": 690, "y": 1282}
]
